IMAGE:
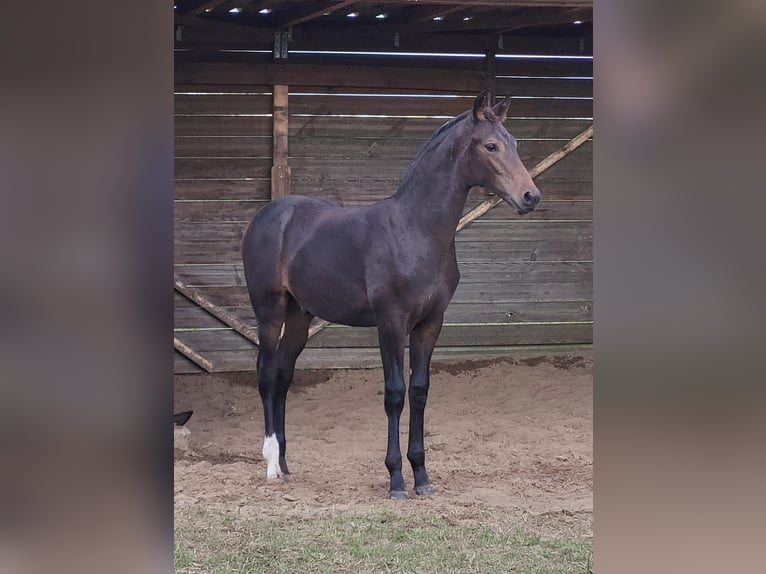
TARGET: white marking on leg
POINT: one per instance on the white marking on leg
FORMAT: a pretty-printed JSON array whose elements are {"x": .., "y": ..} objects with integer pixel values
[{"x": 271, "y": 454}]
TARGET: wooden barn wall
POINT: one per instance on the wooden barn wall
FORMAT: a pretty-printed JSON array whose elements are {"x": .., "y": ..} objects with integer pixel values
[{"x": 525, "y": 280}]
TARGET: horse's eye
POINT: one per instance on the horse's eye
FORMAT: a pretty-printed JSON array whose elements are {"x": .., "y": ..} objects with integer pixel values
[{"x": 490, "y": 147}]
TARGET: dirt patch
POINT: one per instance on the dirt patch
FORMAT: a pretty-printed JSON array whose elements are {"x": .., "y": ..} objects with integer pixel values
[{"x": 502, "y": 437}]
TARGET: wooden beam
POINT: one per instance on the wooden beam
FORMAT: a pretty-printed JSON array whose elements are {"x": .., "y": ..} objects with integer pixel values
[
  {"x": 192, "y": 9},
  {"x": 212, "y": 34},
  {"x": 280, "y": 171},
  {"x": 228, "y": 318},
  {"x": 551, "y": 159},
  {"x": 490, "y": 75},
  {"x": 544, "y": 18},
  {"x": 328, "y": 75},
  {"x": 294, "y": 19},
  {"x": 418, "y": 14},
  {"x": 193, "y": 355},
  {"x": 502, "y": 3}
]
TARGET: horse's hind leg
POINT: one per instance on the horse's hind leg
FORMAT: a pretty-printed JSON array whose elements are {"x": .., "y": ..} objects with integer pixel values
[
  {"x": 270, "y": 314},
  {"x": 422, "y": 342},
  {"x": 290, "y": 346},
  {"x": 392, "y": 336}
]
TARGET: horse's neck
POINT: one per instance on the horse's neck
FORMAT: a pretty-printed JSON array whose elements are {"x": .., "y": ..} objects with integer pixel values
[{"x": 432, "y": 196}]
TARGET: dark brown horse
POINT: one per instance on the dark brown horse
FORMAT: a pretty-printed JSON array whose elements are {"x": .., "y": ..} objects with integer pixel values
[{"x": 390, "y": 264}]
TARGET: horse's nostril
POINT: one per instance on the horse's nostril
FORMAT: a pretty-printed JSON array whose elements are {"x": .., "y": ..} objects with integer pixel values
[{"x": 530, "y": 198}]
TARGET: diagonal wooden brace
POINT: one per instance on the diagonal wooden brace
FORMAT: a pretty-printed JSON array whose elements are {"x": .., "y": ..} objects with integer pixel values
[{"x": 193, "y": 355}]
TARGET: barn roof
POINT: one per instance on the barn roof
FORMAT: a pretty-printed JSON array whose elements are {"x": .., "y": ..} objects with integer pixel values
[{"x": 377, "y": 22}]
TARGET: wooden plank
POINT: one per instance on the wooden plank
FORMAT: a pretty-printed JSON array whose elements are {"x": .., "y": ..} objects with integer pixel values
[
  {"x": 389, "y": 60},
  {"x": 421, "y": 129},
  {"x": 222, "y": 275},
  {"x": 226, "y": 168},
  {"x": 548, "y": 209},
  {"x": 211, "y": 340},
  {"x": 191, "y": 216},
  {"x": 280, "y": 171},
  {"x": 351, "y": 168},
  {"x": 493, "y": 293},
  {"x": 544, "y": 68},
  {"x": 340, "y": 337},
  {"x": 192, "y": 355},
  {"x": 183, "y": 365},
  {"x": 242, "y": 212},
  {"x": 222, "y": 189},
  {"x": 551, "y": 87},
  {"x": 202, "y": 73},
  {"x": 489, "y": 293},
  {"x": 413, "y": 106},
  {"x": 528, "y": 66},
  {"x": 363, "y": 189},
  {"x": 222, "y": 146},
  {"x": 467, "y": 312},
  {"x": 489, "y": 231},
  {"x": 375, "y": 127},
  {"x": 571, "y": 249},
  {"x": 215, "y": 104},
  {"x": 222, "y": 125},
  {"x": 457, "y": 312},
  {"x": 356, "y": 170},
  {"x": 369, "y": 358},
  {"x": 404, "y": 150}
]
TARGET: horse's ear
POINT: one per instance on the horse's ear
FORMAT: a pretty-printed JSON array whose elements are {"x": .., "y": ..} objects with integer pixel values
[
  {"x": 478, "y": 106},
  {"x": 501, "y": 109}
]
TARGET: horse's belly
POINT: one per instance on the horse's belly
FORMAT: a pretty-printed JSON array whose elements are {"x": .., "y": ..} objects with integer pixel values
[{"x": 323, "y": 295}]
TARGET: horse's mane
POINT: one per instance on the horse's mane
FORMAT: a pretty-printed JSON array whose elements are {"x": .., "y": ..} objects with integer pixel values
[
  {"x": 445, "y": 131},
  {"x": 440, "y": 135},
  {"x": 432, "y": 143}
]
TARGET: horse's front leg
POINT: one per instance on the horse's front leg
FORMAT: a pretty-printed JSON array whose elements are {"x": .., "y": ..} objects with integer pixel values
[
  {"x": 422, "y": 342},
  {"x": 392, "y": 338}
]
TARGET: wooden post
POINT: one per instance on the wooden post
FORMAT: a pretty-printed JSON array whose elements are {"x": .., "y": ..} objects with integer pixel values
[
  {"x": 280, "y": 171},
  {"x": 490, "y": 73}
]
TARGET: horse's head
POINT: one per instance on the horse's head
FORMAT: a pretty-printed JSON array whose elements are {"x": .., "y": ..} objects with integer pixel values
[{"x": 494, "y": 158}]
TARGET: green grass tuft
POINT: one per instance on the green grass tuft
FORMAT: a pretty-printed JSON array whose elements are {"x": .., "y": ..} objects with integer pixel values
[{"x": 371, "y": 542}]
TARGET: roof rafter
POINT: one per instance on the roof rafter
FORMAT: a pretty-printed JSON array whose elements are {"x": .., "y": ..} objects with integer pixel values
[{"x": 294, "y": 19}]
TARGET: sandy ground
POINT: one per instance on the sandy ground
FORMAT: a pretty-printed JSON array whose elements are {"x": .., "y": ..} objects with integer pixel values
[{"x": 509, "y": 438}]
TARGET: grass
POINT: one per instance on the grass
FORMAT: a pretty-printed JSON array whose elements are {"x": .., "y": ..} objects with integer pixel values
[{"x": 377, "y": 540}]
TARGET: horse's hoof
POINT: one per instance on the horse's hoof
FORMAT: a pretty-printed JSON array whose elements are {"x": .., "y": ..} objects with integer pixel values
[
  {"x": 424, "y": 490},
  {"x": 397, "y": 495}
]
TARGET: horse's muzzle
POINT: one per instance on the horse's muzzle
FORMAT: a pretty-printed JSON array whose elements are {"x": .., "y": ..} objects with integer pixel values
[{"x": 530, "y": 199}]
